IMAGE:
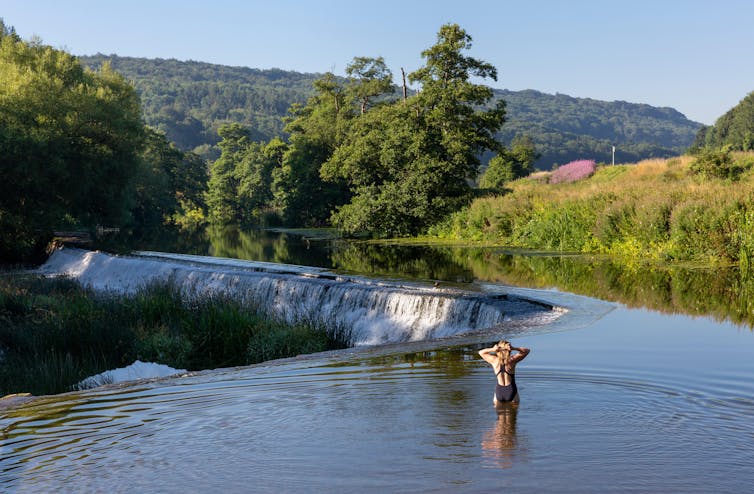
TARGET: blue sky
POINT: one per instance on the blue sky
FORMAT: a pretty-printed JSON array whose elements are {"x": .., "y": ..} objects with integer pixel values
[{"x": 691, "y": 55}]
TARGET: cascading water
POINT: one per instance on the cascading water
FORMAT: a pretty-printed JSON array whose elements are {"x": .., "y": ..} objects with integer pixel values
[{"x": 371, "y": 311}]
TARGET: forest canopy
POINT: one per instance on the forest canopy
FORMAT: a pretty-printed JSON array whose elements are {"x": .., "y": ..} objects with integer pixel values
[{"x": 190, "y": 144}]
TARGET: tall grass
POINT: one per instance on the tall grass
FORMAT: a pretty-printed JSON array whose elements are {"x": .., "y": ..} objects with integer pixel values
[
  {"x": 673, "y": 210},
  {"x": 53, "y": 333}
]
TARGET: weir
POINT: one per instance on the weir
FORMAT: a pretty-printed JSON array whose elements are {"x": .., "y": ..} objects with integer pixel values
[{"x": 372, "y": 311}]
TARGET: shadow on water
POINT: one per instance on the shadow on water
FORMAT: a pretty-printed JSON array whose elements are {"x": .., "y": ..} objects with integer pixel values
[{"x": 721, "y": 292}]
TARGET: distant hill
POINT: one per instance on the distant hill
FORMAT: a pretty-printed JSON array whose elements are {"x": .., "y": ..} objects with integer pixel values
[
  {"x": 191, "y": 100},
  {"x": 565, "y": 128},
  {"x": 734, "y": 129}
]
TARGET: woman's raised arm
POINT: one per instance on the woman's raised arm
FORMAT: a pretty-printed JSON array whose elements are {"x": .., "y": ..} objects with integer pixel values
[
  {"x": 518, "y": 357},
  {"x": 489, "y": 354}
]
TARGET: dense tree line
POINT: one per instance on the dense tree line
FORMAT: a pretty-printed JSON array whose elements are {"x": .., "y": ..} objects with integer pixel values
[
  {"x": 364, "y": 162},
  {"x": 734, "y": 130},
  {"x": 190, "y": 101},
  {"x": 75, "y": 154}
]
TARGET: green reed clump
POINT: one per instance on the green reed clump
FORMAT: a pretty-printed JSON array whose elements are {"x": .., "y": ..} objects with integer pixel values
[
  {"x": 54, "y": 333},
  {"x": 285, "y": 341}
]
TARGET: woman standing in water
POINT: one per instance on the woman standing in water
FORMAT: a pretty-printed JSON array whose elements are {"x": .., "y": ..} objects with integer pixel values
[{"x": 504, "y": 364}]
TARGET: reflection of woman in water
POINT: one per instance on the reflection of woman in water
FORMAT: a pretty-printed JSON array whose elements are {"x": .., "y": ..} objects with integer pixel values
[
  {"x": 499, "y": 444},
  {"x": 504, "y": 363}
]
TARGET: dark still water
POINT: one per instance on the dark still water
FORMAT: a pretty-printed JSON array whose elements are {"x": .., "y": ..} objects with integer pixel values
[{"x": 613, "y": 399}]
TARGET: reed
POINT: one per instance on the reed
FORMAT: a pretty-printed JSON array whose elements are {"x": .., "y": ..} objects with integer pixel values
[{"x": 54, "y": 333}]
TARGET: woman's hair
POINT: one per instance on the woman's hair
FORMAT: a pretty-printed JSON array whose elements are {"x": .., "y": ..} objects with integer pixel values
[{"x": 502, "y": 356}]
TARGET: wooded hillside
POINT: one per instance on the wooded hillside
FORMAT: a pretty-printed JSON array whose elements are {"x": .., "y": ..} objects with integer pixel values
[
  {"x": 191, "y": 100},
  {"x": 735, "y": 129}
]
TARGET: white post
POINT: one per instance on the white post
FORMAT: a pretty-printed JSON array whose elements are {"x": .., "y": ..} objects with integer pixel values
[{"x": 613, "y": 155}]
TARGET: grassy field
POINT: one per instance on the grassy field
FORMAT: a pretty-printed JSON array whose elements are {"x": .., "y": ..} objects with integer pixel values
[
  {"x": 53, "y": 333},
  {"x": 684, "y": 209}
]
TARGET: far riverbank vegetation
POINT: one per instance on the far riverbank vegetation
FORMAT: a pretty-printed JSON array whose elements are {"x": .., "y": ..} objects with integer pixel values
[
  {"x": 691, "y": 209},
  {"x": 361, "y": 155}
]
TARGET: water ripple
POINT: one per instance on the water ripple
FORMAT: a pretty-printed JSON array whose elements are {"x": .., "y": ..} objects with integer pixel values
[{"x": 248, "y": 427}]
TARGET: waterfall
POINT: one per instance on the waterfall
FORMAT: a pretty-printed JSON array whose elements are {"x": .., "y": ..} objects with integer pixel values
[{"x": 372, "y": 311}]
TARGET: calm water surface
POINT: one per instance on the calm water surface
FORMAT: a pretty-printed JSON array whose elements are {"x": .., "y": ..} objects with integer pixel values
[
  {"x": 614, "y": 399},
  {"x": 636, "y": 402}
]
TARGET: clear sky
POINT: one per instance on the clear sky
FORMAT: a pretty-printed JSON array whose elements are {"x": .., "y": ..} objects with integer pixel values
[{"x": 692, "y": 55}]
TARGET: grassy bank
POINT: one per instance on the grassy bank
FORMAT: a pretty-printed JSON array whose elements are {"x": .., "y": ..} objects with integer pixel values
[
  {"x": 681, "y": 209},
  {"x": 53, "y": 333}
]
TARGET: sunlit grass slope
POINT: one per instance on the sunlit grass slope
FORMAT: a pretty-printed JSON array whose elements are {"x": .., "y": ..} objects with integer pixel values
[{"x": 690, "y": 209}]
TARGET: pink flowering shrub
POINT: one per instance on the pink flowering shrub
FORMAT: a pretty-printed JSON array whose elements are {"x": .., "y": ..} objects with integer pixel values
[{"x": 573, "y": 171}]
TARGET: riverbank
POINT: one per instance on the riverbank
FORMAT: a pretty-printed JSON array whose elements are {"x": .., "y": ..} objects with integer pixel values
[
  {"x": 684, "y": 209},
  {"x": 54, "y": 333}
]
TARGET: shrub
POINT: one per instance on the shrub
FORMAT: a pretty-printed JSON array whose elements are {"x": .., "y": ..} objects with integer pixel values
[
  {"x": 573, "y": 172},
  {"x": 706, "y": 230},
  {"x": 615, "y": 221},
  {"x": 722, "y": 164},
  {"x": 565, "y": 228}
]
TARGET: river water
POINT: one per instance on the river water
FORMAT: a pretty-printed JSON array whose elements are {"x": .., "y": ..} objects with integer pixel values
[{"x": 613, "y": 399}]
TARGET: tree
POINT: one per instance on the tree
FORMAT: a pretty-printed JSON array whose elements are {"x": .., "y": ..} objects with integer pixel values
[
  {"x": 255, "y": 179},
  {"x": 169, "y": 186},
  {"x": 507, "y": 166},
  {"x": 409, "y": 163},
  {"x": 222, "y": 189},
  {"x": 316, "y": 130},
  {"x": 735, "y": 129},
  {"x": 453, "y": 106},
  {"x": 70, "y": 140},
  {"x": 369, "y": 78}
]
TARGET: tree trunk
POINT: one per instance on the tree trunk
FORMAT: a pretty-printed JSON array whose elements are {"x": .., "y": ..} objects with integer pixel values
[{"x": 405, "y": 92}]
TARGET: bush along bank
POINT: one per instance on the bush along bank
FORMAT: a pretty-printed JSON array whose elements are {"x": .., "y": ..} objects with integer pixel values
[
  {"x": 688, "y": 209},
  {"x": 54, "y": 333}
]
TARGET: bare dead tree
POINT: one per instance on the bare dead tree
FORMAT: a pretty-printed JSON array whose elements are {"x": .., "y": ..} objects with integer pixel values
[{"x": 405, "y": 90}]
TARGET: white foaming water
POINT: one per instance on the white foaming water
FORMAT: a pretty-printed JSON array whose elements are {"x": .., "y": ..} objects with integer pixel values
[
  {"x": 137, "y": 370},
  {"x": 372, "y": 312}
]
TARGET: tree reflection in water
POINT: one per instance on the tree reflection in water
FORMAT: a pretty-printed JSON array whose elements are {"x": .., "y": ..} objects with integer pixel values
[{"x": 723, "y": 292}]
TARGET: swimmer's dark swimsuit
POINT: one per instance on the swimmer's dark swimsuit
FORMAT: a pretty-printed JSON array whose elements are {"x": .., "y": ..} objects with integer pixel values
[{"x": 506, "y": 393}]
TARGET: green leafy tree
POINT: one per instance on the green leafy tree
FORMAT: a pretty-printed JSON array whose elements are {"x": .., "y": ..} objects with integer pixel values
[
  {"x": 70, "y": 140},
  {"x": 410, "y": 163},
  {"x": 507, "y": 166},
  {"x": 369, "y": 78},
  {"x": 453, "y": 106},
  {"x": 222, "y": 189},
  {"x": 734, "y": 130},
  {"x": 254, "y": 173},
  {"x": 301, "y": 196},
  {"x": 169, "y": 186}
]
